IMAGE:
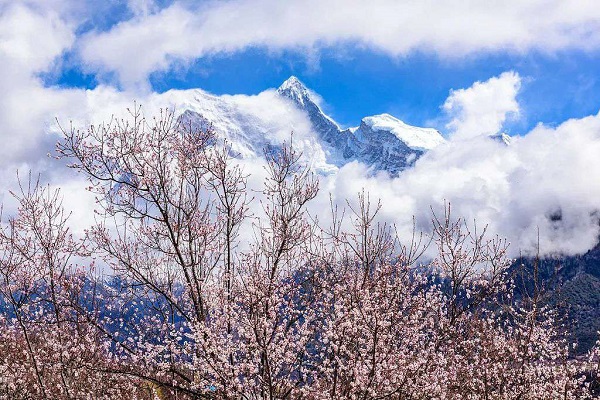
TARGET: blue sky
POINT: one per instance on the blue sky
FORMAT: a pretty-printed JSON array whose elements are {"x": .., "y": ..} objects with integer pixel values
[
  {"x": 364, "y": 82},
  {"x": 354, "y": 79}
]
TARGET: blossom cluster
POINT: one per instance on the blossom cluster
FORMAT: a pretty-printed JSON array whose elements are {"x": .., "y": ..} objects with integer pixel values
[{"x": 343, "y": 311}]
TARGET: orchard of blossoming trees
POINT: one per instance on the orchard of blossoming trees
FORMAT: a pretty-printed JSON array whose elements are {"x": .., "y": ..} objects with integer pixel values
[{"x": 307, "y": 310}]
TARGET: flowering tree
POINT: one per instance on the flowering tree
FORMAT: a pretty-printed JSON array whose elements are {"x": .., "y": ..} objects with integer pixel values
[
  {"x": 302, "y": 312},
  {"x": 47, "y": 347}
]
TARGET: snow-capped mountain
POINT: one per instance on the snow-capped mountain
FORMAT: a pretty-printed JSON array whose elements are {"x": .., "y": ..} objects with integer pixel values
[{"x": 380, "y": 141}]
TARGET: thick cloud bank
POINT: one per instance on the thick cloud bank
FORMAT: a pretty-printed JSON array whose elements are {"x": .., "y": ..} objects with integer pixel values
[{"x": 546, "y": 180}]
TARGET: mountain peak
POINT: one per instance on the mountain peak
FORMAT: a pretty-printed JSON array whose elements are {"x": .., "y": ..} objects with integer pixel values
[
  {"x": 416, "y": 138},
  {"x": 292, "y": 83},
  {"x": 375, "y": 119},
  {"x": 295, "y": 90}
]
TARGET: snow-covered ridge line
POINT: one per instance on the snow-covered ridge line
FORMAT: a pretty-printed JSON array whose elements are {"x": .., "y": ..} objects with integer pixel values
[
  {"x": 414, "y": 137},
  {"x": 250, "y": 123},
  {"x": 295, "y": 90},
  {"x": 382, "y": 142}
]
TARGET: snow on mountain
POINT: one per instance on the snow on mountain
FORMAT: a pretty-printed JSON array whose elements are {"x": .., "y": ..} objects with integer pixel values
[
  {"x": 326, "y": 128},
  {"x": 414, "y": 137},
  {"x": 253, "y": 123},
  {"x": 382, "y": 141},
  {"x": 250, "y": 124},
  {"x": 293, "y": 89}
]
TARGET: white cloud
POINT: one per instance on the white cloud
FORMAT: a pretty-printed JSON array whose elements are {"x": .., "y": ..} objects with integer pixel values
[
  {"x": 484, "y": 107},
  {"x": 546, "y": 180},
  {"x": 31, "y": 39},
  {"x": 135, "y": 48}
]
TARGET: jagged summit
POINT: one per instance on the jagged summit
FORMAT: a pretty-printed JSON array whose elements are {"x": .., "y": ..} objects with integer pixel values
[
  {"x": 308, "y": 101},
  {"x": 292, "y": 83},
  {"x": 295, "y": 90},
  {"x": 382, "y": 142}
]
